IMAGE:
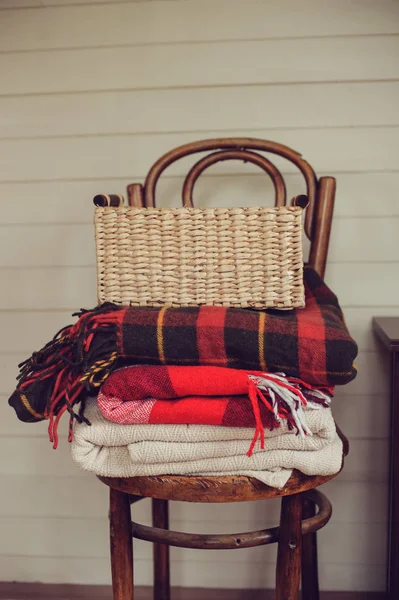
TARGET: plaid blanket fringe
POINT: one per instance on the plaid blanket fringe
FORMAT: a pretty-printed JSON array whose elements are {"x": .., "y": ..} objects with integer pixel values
[
  {"x": 210, "y": 396},
  {"x": 312, "y": 344}
]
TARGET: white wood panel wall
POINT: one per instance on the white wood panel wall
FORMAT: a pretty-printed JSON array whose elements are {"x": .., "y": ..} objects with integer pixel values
[{"x": 91, "y": 93}]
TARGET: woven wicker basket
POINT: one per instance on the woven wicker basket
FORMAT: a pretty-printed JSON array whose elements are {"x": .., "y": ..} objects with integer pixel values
[{"x": 235, "y": 257}]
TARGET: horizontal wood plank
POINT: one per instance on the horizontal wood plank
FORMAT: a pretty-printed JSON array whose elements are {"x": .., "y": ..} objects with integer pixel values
[
  {"x": 130, "y": 156},
  {"x": 7, "y": 4},
  {"x": 33, "y": 329},
  {"x": 360, "y": 240},
  {"x": 359, "y": 322},
  {"x": 372, "y": 378},
  {"x": 361, "y": 195},
  {"x": 364, "y": 240},
  {"x": 55, "y": 245},
  {"x": 12, "y": 427},
  {"x": 85, "y": 538},
  {"x": 35, "y": 591},
  {"x": 67, "y": 570},
  {"x": 362, "y": 415},
  {"x": 201, "y": 109},
  {"x": 13, "y": 4},
  {"x": 66, "y": 26},
  {"x": 86, "y": 571},
  {"x": 49, "y": 288},
  {"x": 70, "y": 288},
  {"x": 36, "y": 455},
  {"x": 49, "y": 3},
  {"x": 368, "y": 460},
  {"x": 86, "y": 497},
  {"x": 159, "y": 66},
  {"x": 384, "y": 290},
  {"x": 18, "y": 591}
]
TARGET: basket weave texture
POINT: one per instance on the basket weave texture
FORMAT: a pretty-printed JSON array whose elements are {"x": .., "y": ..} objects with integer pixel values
[{"x": 235, "y": 257}]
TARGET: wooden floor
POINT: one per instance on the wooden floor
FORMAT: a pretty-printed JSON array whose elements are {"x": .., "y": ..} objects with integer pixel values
[{"x": 37, "y": 591}]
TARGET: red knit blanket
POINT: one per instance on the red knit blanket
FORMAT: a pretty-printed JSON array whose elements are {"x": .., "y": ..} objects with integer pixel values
[
  {"x": 209, "y": 396},
  {"x": 312, "y": 344}
]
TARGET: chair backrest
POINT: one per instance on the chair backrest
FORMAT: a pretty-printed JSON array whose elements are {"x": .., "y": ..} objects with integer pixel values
[{"x": 320, "y": 192}]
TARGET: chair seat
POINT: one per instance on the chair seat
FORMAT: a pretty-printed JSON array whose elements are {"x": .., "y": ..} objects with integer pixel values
[
  {"x": 212, "y": 489},
  {"x": 217, "y": 489}
]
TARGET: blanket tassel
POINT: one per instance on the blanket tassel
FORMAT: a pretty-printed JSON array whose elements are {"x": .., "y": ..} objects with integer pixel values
[{"x": 282, "y": 396}]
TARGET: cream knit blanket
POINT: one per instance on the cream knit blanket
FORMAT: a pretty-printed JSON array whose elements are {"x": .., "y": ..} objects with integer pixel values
[{"x": 114, "y": 450}]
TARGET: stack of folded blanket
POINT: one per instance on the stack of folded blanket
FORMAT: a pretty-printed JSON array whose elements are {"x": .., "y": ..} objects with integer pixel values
[
  {"x": 115, "y": 450},
  {"x": 201, "y": 391}
]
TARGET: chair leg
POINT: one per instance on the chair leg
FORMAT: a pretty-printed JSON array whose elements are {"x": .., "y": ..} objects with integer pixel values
[
  {"x": 289, "y": 548},
  {"x": 310, "y": 575},
  {"x": 121, "y": 545},
  {"x": 160, "y": 519}
]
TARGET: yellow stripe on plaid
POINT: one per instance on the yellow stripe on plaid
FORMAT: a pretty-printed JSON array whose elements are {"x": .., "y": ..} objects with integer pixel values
[
  {"x": 161, "y": 352},
  {"x": 28, "y": 407},
  {"x": 261, "y": 340}
]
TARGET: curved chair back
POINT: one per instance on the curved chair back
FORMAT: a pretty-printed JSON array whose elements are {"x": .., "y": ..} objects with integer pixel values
[{"x": 320, "y": 193}]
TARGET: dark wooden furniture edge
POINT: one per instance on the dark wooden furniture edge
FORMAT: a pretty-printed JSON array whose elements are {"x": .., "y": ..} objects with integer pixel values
[
  {"x": 42, "y": 591},
  {"x": 387, "y": 330},
  {"x": 212, "y": 489}
]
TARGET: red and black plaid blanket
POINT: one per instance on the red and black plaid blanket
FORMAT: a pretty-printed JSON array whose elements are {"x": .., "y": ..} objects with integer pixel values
[
  {"x": 209, "y": 396},
  {"x": 312, "y": 344}
]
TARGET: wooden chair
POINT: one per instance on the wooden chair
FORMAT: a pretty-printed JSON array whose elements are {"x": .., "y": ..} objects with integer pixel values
[{"x": 296, "y": 534}]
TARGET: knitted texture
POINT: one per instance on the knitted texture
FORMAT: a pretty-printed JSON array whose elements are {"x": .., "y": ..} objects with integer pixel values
[
  {"x": 312, "y": 344},
  {"x": 208, "y": 396},
  {"x": 113, "y": 450}
]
